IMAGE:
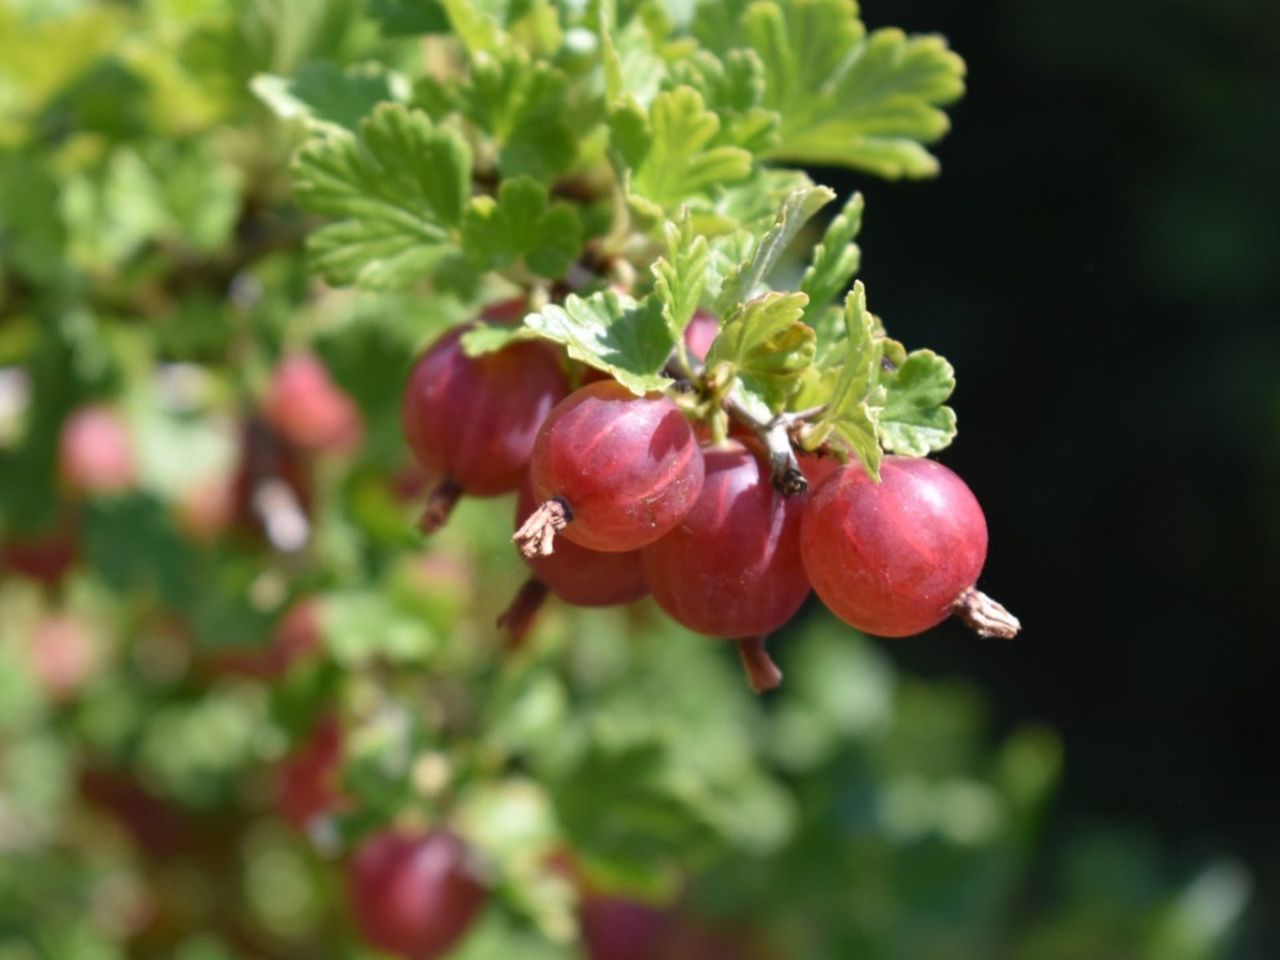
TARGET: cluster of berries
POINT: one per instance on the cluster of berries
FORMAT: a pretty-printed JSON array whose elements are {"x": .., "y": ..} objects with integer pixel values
[{"x": 621, "y": 497}]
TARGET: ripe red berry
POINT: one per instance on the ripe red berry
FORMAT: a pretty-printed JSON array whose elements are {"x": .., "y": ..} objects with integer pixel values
[
  {"x": 472, "y": 420},
  {"x": 817, "y": 467},
  {"x": 307, "y": 785},
  {"x": 585, "y": 578},
  {"x": 900, "y": 556},
  {"x": 731, "y": 567},
  {"x": 304, "y": 406},
  {"x": 701, "y": 333},
  {"x": 413, "y": 895},
  {"x": 95, "y": 452},
  {"x": 614, "y": 471}
]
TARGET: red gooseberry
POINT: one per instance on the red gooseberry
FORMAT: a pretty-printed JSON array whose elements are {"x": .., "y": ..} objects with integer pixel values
[
  {"x": 897, "y": 557},
  {"x": 614, "y": 471}
]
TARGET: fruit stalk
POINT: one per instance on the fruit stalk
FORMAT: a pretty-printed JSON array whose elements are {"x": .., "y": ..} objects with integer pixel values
[
  {"x": 985, "y": 616},
  {"x": 517, "y": 619},
  {"x": 762, "y": 673}
]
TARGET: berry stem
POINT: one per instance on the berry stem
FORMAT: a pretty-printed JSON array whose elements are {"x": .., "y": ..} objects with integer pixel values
[
  {"x": 784, "y": 468},
  {"x": 517, "y": 619},
  {"x": 440, "y": 503},
  {"x": 775, "y": 434},
  {"x": 985, "y": 616},
  {"x": 762, "y": 673},
  {"x": 536, "y": 536}
]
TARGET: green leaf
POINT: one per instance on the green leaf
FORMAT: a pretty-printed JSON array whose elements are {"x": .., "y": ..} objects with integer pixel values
[
  {"x": 32, "y": 236},
  {"x": 611, "y": 332},
  {"x": 409, "y": 17},
  {"x": 623, "y": 814},
  {"x": 795, "y": 212},
  {"x": 765, "y": 347},
  {"x": 131, "y": 545},
  {"x": 915, "y": 420},
  {"x": 474, "y": 25},
  {"x": 717, "y": 24},
  {"x": 681, "y": 276},
  {"x": 835, "y": 260},
  {"x": 671, "y": 154},
  {"x": 521, "y": 224},
  {"x": 733, "y": 87},
  {"x": 398, "y": 190},
  {"x": 606, "y": 19},
  {"x": 523, "y": 105},
  {"x": 483, "y": 338},
  {"x": 850, "y": 420},
  {"x": 200, "y": 192},
  {"x": 849, "y": 99},
  {"x": 633, "y": 68},
  {"x": 364, "y": 625},
  {"x": 322, "y": 93},
  {"x": 111, "y": 213}
]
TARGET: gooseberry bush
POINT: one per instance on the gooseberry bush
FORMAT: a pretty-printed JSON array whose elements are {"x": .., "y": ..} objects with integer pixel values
[{"x": 292, "y": 293}]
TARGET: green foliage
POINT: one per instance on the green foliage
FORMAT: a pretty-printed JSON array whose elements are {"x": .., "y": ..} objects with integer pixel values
[
  {"x": 852, "y": 415},
  {"x": 609, "y": 331},
  {"x": 835, "y": 260},
  {"x": 609, "y": 164},
  {"x": 849, "y": 98},
  {"x": 521, "y": 224},
  {"x": 398, "y": 189},
  {"x": 668, "y": 156},
  {"x": 680, "y": 277},
  {"x": 915, "y": 420},
  {"x": 763, "y": 347},
  {"x": 325, "y": 93}
]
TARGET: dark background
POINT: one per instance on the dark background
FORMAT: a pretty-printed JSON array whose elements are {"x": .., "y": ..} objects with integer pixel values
[{"x": 1100, "y": 261}]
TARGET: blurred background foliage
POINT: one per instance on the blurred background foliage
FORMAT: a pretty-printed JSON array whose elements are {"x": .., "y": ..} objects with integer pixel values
[{"x": 1097, "y": 262}]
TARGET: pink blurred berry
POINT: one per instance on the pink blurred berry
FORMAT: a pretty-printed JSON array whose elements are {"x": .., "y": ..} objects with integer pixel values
[
  {"x": 309, "y": 410},
  {"x": 95, "y": 452}
]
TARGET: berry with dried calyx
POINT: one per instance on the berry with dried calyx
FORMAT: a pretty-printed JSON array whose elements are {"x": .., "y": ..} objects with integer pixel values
[
  {"x": 614, "y": 471},
  {"x": 897, "y": 557},
  {"x": 577, "y": 575}
]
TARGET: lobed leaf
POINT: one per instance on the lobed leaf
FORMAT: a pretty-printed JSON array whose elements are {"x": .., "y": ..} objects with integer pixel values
[
  {"x": 851, "y": 418},
  {"x": 521, "y": 224},
  {"x": 611, "y": 332},
  {"x": 798, "y": 208},
  {"x": 397, "y": 190},
  {"x": 523, "y": 105},
  {"x": 671, "y": 152},
  {"x": 322, "y": 93},
  {"x": 915, "y": 420},
  {"x": 765, "y": 347},
  {"x": 870, "y": 102},
  {"x": 733, "y": 86},
  {"x": 680, "y": 277},
  {"x": 835, "y": 260}
]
